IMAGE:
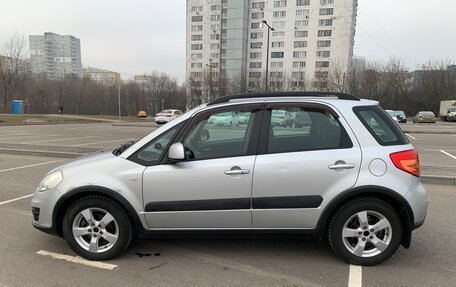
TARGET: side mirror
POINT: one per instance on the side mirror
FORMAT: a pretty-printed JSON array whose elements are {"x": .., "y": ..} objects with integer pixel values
[
  {"x": 204, "y": 135},
  {"x": 176, "y": 151}
]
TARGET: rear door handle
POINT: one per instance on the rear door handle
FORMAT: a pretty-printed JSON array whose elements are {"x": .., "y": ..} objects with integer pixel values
[
  {"x": 342, "y": 166},
  {"x": 237, "y": 170}
]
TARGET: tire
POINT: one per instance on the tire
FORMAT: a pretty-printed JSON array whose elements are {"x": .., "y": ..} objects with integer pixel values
[
  {"x": 379, "y": 244},
  {"x": 109, "y": 240}
]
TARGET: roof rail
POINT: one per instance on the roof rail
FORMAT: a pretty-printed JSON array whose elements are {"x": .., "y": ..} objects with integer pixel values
[{"x": 342, "y": 96}]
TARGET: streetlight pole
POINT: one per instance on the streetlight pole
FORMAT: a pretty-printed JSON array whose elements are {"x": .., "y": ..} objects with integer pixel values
[
  {"x": 267, "y": 55},
  {"x": 118, "y": 99},
  {"x": 210, "y": 78}
]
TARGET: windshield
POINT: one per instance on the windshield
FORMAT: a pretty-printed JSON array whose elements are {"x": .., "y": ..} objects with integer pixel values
[
  {"x": 452, "y": 110},
  {"x": 399, "y": 113},
  {"x": 427, "y": 114},
  {"x": 391, "y": 113},
  {"x": 165, "y": 112}
]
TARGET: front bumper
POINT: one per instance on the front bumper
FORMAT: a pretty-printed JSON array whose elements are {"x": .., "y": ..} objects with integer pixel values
[{"x": 43, "y": 207}]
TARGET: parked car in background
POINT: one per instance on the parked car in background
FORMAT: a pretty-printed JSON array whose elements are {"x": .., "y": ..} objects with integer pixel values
[
  {"x": 302, "y": 119},
  {"x": 227, "y": 119},
  {"x": 166, "y": 116},
  {"x": 401, "y": 117},
  {"x": 281, "y": 118},
  {"x": 424, "y": 117},
  {"x": 243, "y": 118},
  {"x": 141, "y": 114},
  {"x": 448, "y": 110},
  {"x": 392, "y": 115}
]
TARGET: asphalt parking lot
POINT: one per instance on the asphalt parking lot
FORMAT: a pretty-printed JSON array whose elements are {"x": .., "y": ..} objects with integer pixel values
[
  {"x": 277, "y": 261},
  {"x": 30, "y": 258}
]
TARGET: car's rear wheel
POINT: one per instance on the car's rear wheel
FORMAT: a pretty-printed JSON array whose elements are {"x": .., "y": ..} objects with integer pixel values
[
  {"x": 365, "y": 231},
  {"x": 97, "y": 228}
]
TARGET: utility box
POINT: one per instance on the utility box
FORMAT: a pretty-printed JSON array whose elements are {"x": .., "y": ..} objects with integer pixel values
[{"x": 18, "y": 107}]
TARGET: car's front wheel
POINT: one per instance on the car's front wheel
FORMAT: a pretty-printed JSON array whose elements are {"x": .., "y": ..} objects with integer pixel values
[
  {"x": 365, "y": 231},
  {"x": 97, "y": 228}
]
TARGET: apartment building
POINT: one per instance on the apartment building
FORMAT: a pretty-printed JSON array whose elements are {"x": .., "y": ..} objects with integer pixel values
[
  {"x": 55, "y": 56},
  {"x": 103, "y": 77},
  {"x": 309, "y": 39}
]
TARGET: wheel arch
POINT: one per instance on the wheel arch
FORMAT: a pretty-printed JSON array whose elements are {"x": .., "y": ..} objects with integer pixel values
[
  {"x": 398, "y": 202},
  {"x": 70, "y": 197}
]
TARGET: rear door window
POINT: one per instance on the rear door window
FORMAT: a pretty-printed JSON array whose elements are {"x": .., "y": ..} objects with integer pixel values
[{"x": 380, "y": 125}]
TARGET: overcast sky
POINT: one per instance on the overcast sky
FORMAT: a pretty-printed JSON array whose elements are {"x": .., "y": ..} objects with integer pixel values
[{"x": 139, "y": 36}]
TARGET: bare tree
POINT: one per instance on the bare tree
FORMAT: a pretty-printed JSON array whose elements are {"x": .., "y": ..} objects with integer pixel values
[{"x": 13, "y": 67}]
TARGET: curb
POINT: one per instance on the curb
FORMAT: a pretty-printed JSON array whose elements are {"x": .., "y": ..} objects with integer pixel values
[
  {"x": 41, "y": 153},
  {"x": 435, "y": 179},
  {"x": 430, "y": 132}
]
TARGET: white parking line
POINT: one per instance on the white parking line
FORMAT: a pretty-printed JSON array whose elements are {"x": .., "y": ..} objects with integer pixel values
[
  {"x": 410, "y": 136},
  {"x": 78, "y": 260},
  {"x": 31, "y": 165},
  {"x": 16, "y": 199},
  {"x": 448, "y": 154},
  {"x": 29, "y": 137},
  {"x": 103, "y": 142},
  {"x": 58, "y": 140},
  {"x": 355, "y": 276}
]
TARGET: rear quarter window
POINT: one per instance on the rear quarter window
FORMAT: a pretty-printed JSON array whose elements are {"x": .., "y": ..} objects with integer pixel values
[{"x": 380, "y": 125}]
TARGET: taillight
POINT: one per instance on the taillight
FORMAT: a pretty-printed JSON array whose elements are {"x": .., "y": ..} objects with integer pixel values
[{"x": 407, "y": 161}]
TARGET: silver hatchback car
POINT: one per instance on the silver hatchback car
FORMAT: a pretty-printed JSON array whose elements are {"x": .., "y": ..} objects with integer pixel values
[{"x": 346, "y": 173}]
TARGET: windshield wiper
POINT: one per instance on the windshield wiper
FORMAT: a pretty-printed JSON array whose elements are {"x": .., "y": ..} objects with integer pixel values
[{"x": 122, "y": 148}]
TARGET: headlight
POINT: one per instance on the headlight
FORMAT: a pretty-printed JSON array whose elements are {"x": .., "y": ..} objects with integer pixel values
[{"x": 50, "y": 181}]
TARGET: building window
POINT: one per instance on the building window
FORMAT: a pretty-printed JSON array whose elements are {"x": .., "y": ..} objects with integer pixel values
[
  {"x": 197, "y": 28},
  {"x": 299, "y": 54},
  {"x": 321, "y": 64},
  {"x": 215, "y": 17},
  {"x": 256, "y": 25},
  {"x": 301, "y": 33},
  {"x": 255, "y": 74},
  {"x": 276, "y": 54},
  {"x": 196, "y": 74},
  {"x": 324, "y": 33},
  {"x": 258, "y": 5},
  {"x": 255, "y": 55},
  {"x": 299, "y": 64},
  {"x": 197, "y": 56},
  {"x": 297, "y": 74},
  {"x": 276, "y": 74},
  {"x": 256, "y": 35},
  {"x": 215, "y": 27},
  {"x": 302, "y": 13},
  {"x": 278, "y": 24},
  {"x": 325, "y": 22},
  {"x": 215, "y": 47},
  {"x": 302, "y": 2},
  {"x": 300, "y": 44},
  {"x": 214, "y": 55},
  {"x": 215, "y": 7},
  {"x": 197, "y": 47},
  {"x": 255, "y": 65},
  {"x": 258, "y": 15},
  {"x": 326, "y": 11},
  {"x": 323, "y": 54},
  {"x": 197, "y": 18},
  {"x": 301, "y": 23},
  {"x": 278, "y": 44},
  {"x": 278, "y": 33},
  {"x": 256, "y": 45},
  {"x": 325, "y": 43},
  {"x": 276, "y": 64},
  {"x": 197, "y": 8},
  {"x": 323, "y": 2},
  {"x": 280, "y": 3},
  {"x": 197, "y": 37},
  {"x": 279, "y": 14},
  {"x": 321, "y": 74},
  {"x": 196, "y": 65},
  {"x": 215, "y": 36}
]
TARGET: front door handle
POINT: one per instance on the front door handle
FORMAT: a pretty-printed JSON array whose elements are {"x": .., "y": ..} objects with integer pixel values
[
  {"x": 341, "y": 165},
  {"x": 237, "y": 170}
]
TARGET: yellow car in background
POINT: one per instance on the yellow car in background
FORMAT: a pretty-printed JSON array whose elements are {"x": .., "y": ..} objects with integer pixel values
[{"x": 141, "y": 114}]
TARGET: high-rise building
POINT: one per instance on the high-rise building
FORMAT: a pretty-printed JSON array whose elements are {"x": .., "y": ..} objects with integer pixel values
[
  {"x": 228, "y": 39},
  {"x": 55, "y": 56}
]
